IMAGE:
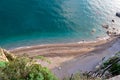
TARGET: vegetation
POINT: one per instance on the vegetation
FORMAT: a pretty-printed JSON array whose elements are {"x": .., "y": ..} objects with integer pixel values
[
  {"x": 42, "y": 58},
  {"x": 2, "y": 64},
  {"x": 114, "y": 64},
  {"x": 22, "y": 68}
]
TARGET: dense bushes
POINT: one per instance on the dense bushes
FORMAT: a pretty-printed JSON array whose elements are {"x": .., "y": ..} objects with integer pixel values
[{"x": 22, "y": 68}]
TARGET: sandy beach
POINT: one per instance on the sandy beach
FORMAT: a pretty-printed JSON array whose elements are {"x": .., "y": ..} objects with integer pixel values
[{"x": 72, "y": 57}]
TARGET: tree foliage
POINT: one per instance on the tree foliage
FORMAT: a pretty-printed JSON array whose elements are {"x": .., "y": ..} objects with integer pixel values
[{"x": 22, "y": 68}]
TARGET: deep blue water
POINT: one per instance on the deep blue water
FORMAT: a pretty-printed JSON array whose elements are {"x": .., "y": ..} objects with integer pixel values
[{"x": 28, "y": 22}]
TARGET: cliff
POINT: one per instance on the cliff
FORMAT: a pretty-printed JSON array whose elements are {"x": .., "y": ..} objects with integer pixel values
[{"x": 5, "y": 56}]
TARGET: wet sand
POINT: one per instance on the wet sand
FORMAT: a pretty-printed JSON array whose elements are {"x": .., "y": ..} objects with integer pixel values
[{"x": 72, "y": 57}]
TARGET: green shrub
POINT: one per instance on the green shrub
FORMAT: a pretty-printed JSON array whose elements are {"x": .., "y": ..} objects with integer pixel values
[
  {"x": 23, "y": 68},
  {"x": 42, "y": 58},
  {"x": 3, "y": 64},
  {"x": 39, "y": 73}
]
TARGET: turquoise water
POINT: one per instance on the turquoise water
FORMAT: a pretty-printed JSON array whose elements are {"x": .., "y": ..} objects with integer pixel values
[{"x": 28, "y": 22}]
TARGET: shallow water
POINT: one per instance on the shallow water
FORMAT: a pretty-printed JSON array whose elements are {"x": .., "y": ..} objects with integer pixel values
[{"x": 28, "y": 22}]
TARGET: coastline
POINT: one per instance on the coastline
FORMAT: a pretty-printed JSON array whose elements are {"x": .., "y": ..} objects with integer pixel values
[
  {"x": 66, "y": 58},
  {"x": 60, "y": 44}
]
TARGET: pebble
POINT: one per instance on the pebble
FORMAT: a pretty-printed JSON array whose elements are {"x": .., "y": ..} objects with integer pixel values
[
  {"x": 97, "y": 67},
  {"x": 113, "y": 20},
  {"x": 59, "y": 68}
]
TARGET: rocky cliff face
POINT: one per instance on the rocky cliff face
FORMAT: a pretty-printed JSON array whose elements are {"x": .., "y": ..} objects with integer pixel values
[
  {"x": 5, "y": 55},
  {"x": 115, "y": 78},
  {"x": 2, "y": 55}
]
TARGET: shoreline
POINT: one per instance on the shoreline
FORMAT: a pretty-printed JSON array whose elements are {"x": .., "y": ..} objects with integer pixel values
[{"x": 53, "y": 44}]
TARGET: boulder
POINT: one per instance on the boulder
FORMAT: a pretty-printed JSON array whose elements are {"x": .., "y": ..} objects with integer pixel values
[
  {"x": 115, "y": 78},
  {"x": 118, "y": 14}
]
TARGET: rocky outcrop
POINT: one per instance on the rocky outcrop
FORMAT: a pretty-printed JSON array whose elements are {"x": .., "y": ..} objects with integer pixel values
[
  {"x": 5, "y": 55},
  {"x": 115, "y": 78},
  {"x": 2, "y": 55}
]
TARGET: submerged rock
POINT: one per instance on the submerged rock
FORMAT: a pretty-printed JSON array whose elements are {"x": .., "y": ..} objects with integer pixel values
[{"x": 93, "y": 30}]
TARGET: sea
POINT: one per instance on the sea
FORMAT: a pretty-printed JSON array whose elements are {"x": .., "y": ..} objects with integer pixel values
[{"x": 35, "y": 22}]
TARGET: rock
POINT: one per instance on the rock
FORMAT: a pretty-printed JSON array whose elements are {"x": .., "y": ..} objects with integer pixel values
[
  {"x": 93, "y": 30},
  {"x": 105, "y": 26},
  {"x": 59, "y": 68},
  {"x": 97, "y": 37},
  {"x": 97, "y": 67},
  {"x": 118, "y": 14},
  {"x": 2, "y": 55},
  {"x": 108, "y": 32},
  {"x": 6, "y": 55},
  {"x": 83, "y": 40},
  {"x": 9, "y": 55},
  {"x": 113, "y": 20},
  {"x": 115, "y": 78},
  {"x": 114, "y": 33},
  {"x": 113, "y": 28},
  {"x": 100, "y": 30}
]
